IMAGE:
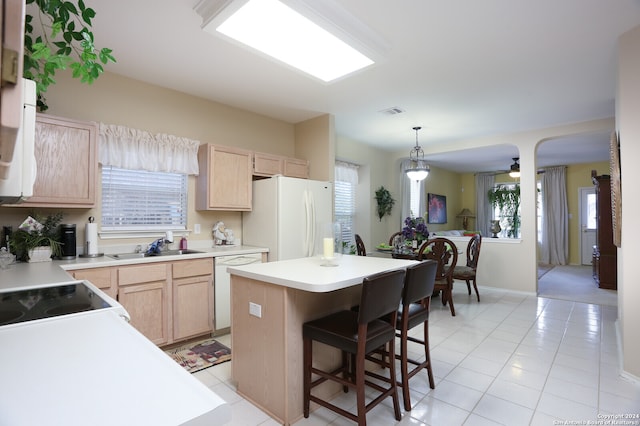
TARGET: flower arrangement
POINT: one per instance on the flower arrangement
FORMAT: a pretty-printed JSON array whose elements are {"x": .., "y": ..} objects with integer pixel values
[{"x": 415, "y": 229}]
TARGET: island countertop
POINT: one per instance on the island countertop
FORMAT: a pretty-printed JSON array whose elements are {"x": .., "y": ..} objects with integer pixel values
[{"x": 308, "y": 274}]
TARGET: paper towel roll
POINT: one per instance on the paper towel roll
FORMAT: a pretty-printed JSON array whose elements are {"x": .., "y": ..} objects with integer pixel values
[{"x": 91, "y": 238}]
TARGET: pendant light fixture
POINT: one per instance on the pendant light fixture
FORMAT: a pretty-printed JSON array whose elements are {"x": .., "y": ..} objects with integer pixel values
[
  {"x": 515, "y": 168},
  {"x": 418, "y": 168}
]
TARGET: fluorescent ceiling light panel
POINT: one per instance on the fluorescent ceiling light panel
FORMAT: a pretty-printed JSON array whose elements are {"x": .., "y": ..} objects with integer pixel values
[{"x": 282, "y": 33}]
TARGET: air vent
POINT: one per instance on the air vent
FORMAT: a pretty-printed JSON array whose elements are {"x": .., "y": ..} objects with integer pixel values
[{"x": 392, "y": 111}]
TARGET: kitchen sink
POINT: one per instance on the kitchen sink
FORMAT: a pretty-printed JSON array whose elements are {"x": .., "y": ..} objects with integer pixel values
[{"x": 121, "y": 256}]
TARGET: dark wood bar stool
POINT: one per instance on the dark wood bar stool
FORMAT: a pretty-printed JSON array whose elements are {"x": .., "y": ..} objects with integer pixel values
[
  {"x": 356, "y": 334},
  {"x": 414, "y": 310}
]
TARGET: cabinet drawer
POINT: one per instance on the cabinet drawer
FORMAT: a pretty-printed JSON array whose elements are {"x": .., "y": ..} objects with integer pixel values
[
  {"x": 100, "y": 277},
  {"x": 192, "y": 268},
  {"x": 142, "y": 274}
]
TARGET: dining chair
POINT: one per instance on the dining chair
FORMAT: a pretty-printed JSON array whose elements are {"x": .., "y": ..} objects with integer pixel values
[
  {"x": 445, "y": 252},
  {"x": 468, "y": 272},
  {"x": 356, "y": 334},
  {"x": 414, "y": 311},
  {"x": 393, "y": 237},
  {"x": 360, "y": 249}
]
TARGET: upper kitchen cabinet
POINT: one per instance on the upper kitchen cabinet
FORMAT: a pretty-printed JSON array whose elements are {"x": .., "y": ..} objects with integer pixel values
[
  {"x": 67, "y": 163},
  {"x": 270, "y": 165},
  {"x": 11, "y": 99},
  {"x": 294, "y": 167},
  {"x": 224, "y": 182}
]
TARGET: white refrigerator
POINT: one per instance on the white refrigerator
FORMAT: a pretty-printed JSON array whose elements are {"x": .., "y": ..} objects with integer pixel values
[{"x": 286, "y": 216}]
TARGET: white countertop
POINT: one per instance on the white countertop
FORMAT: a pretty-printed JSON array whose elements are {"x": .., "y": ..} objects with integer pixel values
[
  {"x": 96, "y": 369},
  {"x": 307, "y": 273},
  {"x": 23, "y": 275}
]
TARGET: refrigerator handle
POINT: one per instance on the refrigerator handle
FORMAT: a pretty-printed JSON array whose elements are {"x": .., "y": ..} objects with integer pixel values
[
  {"x": 307, "y": 235},
  {"x": 311, "y": 224}
]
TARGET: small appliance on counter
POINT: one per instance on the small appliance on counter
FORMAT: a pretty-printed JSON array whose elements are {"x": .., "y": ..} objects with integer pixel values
[{"x": 68, "y": 239}]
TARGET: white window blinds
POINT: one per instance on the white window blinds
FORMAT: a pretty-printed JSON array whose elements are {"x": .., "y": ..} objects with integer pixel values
[
  {"x": 136, "y": 200},
  {"x": 346, "y": 181}
]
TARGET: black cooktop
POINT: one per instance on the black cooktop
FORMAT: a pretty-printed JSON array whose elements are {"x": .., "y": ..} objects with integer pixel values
[{"x": 45, "y": 302}]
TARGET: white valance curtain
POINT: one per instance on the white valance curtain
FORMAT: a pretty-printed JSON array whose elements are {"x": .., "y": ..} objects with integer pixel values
[
  {"x": 346, "y": 172},
  {"x": 555, "y": 217},
  {"x": 135, "y": 149},
  {"x": 484, "y": 209}
]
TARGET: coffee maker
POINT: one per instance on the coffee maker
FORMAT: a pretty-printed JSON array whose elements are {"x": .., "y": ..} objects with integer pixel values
[{"x": 68, "y": 239}]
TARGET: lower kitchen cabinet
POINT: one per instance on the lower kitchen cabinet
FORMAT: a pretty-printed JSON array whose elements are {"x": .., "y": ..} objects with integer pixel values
[
  {"x": 143, "y": 292},
  {"x": 167, "y": 301},
  {"x": 106, "y": 279},
  {"x": 192, "y": 298}
]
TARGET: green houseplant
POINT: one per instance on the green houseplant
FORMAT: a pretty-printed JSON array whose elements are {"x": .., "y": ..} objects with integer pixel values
[
  {"x": 62, "y": 38},
  {"x": 385, "y": 202},
  {"x": 507, "y": 199},
  {"x": 25, "y": 240}
]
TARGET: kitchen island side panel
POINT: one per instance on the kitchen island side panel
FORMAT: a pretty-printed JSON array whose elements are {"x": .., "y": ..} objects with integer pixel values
[{"x": 267, "y": 352}]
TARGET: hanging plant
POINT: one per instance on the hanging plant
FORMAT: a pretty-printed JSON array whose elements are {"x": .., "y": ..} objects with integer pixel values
[
  {"x": 385, "y": 202},
  {"x": 64, "y": 40}
]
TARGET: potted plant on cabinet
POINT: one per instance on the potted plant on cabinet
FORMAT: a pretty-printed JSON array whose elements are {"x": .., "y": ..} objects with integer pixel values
[{"x": 37, "y": 239}]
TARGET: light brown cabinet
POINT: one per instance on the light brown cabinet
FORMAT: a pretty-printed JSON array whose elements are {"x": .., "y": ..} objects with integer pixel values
[
  {"x": 106, "y": 279},
  {"x": 167, "y": 301},
  {"x": 224, "y": 182},
  {"x": 269, "y": 165},
  {"x": 67, "y": 163},
  {"x": 143, "y": 290},
  {"x": 192, "y": 298}
]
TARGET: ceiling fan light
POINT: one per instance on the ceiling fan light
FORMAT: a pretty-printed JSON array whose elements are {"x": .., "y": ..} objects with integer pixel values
[{"x": 515, "y": 168}]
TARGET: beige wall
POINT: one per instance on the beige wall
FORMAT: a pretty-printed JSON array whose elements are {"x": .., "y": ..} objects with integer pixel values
[
  {"x": 628, "y": 126},
  {"x": 114, "y": 99},
  {"x": 315, "y": 141}
]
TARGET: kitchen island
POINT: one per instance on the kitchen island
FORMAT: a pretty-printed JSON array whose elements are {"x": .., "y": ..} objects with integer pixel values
[{"x": 269, "y": 304}]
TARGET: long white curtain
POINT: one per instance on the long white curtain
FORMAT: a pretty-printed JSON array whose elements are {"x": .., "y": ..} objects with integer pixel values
[
  {"x": 555, "y": 221},
  {"x": 484, "y": 209},
  {"x": 407, "y": 194},
  {"x": 134, "y": 149}
]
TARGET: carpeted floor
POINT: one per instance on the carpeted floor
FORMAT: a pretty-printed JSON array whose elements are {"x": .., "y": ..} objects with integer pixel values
[
  {"x": 575, "y": 283},
  {"x": 543, "y": 268},
  {"x": 196, "y": 356}
]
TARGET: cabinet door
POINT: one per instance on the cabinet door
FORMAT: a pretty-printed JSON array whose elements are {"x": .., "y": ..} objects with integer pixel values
[
  {"x": 294, "y": 167},
  {"x": 147, "y": 306},
  {"x": 192, "y": 306},
  {"x": 267, "y": 164},
  {"x": 66, "y": 160},
  {"x": 143, "y": 291},
  {"x": 192, "y": 298},
  {"x": 103, "y": 278},
  {"x": 224, "y": 182}
]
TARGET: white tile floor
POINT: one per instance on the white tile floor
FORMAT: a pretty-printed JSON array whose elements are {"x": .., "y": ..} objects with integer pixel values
[{"x": 513, "y": 359}]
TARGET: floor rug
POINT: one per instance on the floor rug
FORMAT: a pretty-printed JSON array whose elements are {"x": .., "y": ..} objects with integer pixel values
[
  {"x": 543, "y": 268},
  {"x": 199, "y": 355}
]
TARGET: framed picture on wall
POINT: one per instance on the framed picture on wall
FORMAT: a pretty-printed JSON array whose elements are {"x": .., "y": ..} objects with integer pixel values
[{"x": 436, "y": 208}]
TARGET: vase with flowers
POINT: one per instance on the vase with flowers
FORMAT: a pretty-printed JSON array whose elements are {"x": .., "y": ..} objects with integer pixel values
[{"x": 415, "y": 231}]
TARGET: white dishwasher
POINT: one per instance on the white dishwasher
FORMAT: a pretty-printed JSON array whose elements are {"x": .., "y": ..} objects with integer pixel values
[{"x": 222, "y": 286}]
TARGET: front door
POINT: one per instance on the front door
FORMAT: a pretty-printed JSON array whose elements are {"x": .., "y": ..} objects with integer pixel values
[{"x": 588, "y": 223}]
